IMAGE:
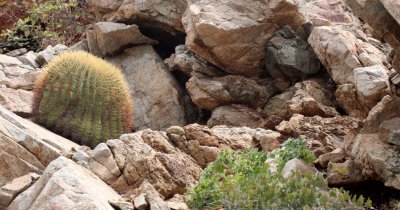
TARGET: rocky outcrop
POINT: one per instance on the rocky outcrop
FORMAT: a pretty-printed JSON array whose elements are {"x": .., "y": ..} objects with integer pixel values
[
  {"x": 155, "y": 93},
  {"x": 209, "y": 93},
  {"x": 66, "y": 185},
  {"x": 235, "y": 116}
]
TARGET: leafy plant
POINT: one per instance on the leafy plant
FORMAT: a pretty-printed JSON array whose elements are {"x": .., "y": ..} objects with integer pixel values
[
  {"x": 83, "y": 98},
  {"x": 47, "y": 20},
  {"x": 243, "y": 180}
]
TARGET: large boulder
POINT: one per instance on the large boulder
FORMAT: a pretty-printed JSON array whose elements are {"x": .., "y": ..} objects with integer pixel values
[
  {"x": 108, "y": 38},
  {"x": 211, "y": 92},
  {"x": 26, "y": 147},
  {"x": 155, "y": 93},
  {"x": 232, "y": 34},
  {"x": 236, "y": 116},
  {"x": 66, "y": 185}
]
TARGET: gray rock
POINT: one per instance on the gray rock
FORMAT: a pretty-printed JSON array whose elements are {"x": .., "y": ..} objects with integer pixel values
[
  {"x": 140, "y": 201},
  {"x": 155, "y": 93},
  {"x": 50, "y": 53},
  {"x": 389, "y": 131},
  {"x": 112, "y": 38},
  {"x": 17, "y": 52},
  {"x": 288, "y": 57},
  {"x": 29, "y": 59},
  {"x": 18, "y": 101},
  {"x": 66, "y": 185},
  {"x": 82, "y": 45},
  {"x": 10, "y": 190}
]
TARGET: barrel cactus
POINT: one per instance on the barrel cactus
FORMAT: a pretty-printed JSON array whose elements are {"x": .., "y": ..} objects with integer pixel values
[{"x": 84, "y": 98}]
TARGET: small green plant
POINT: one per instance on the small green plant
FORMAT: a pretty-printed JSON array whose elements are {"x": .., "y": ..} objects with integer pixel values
[
  {"x": 84, "y": 98},
  {"x": 46, "y": 21},
  {"x": 243, "y": 180}
]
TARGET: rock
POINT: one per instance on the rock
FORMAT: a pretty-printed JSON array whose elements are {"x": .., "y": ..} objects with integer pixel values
[
  {"x": 324, "y": 159},
  {"x": 148, "y": 155},
  {"x": 18, "y": 76},
  {"x": 9, "y": 191},
  {"x": 187, "y": 62},
  {"x": 155, "y": 200},
  {"x": 112, "y": 38},
  {"x": 297, "y": 165},
  {"x": 66, "y": 185},
  {"x": 209, "y": 93},
  {"x": 340, "y": 51},
  {"x": 29, "y": 59},
  {"x": 17, "y": 52},
  {"x": 270, "y": 140},
  {"x": 389, "y": 131},
  {"x": 8, "y": 60},
  {"x": 346, "y": 96},
  {"x": 382, "y": 16},
  {"x": 18, "y": 101},
  {"x": 236, "y": 116},
  {"x": 82, "y": 45},
  {"x": 26, "y": 147},
  {"x": 140, "y": 201},
  {"x": 177, "y": 203},
  {"x": 371, "y": 84},
  {"x": 386, "y": 109},
  {"x": 50, "y": 53},
  {"x": 288, "y": 57},
  {"x": 234, "y": 39},
  {"x": 155, "y": 93},
  {"x": 121, "y": 204},
  {"x": 347, "y": 173},
  {"x": 311, "y": 97},
  {"x": 330, "y": 133},
  {"x": 157, "y": 14}
]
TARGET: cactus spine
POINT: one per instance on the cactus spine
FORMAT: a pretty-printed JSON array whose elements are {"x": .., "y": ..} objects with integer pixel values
[{"x": 83, "y": 98}]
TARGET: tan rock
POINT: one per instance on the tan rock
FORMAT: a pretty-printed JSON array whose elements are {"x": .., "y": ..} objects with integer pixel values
[
  {"x": 155, "y": 93},
  {"x": 346, "y": 173},
  {"x": 18, "y": 101},
  {"x": 155, "y": 200},
  {"x": 66, "y": 185},
  {"x": 140, "y": 201},
  {"x": 9, "y": 191},
  {"x": 389, "y": 131},
  {"x": 209, "y": 93},
  {"x": 236, "y": 116},
  {"x": 297, "y": 165},
  {"x": 18, "y": 76}
]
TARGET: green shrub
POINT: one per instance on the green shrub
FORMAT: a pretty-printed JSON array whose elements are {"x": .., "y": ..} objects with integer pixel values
[
  {"x": 243, "y": 180},
  {"x": 47, "y": 20},
  {"x": 83, "y": 98}
]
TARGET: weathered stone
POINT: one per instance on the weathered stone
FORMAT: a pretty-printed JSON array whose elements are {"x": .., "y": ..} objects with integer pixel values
[
  {"x": 121, "y": 204},
  {"x": 347, "y": 173},
  {"x": 140, "y": 201},
  {"x": 155, "y": 200},
  {"x": 209, "y": 93},
  {"x": 80, "y": 46},
  {"x": 324, "y": 159},
  {"x": 17, "y": 52},
  {"x": 386, "y": 109},
  {"x": 26, "y": 147},
  {"x": 155, "y": 93},
  {"x": 297, "y": 165},
  {"x": 29, "y": 59},
  {"x": 309, "y": 98},
  {"x": 50, "y": 53},
  {"x": 8, "y": 60},
  {"x": 66, "y": 185},
  {"x": 106, "y": 5},
  {"x": 288, "y": 57},
  {"x": 346, "y": 96},
  {"x": 18, "y": 101},
  {"x": 389, "y": 131},
  {"x": 113, "y": 38},
  {"x": 236, "y": 116},
  {"x": 270, "y": 140},
  {"x": 371, "y": 84},
  {"x": 9, "y": 191},
  {"x": 18, "y": 76},
  {"x": 187, "y": 62}
]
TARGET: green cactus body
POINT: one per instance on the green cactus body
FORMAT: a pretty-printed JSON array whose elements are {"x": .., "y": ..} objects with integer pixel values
[{"x": 83, "y": 98}]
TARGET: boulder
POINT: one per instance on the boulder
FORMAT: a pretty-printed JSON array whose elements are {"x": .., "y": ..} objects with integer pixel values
[
  {"x": 26, "y": 147},
  {"x": 189, "y": 63},
  {"x": 288, "y": 57},
  {"x": 18, "y": 101},
  {"x": 155, "y": 200},
  {"x": 346, "y": 173},
  {"x": 18, "y": 76},
  {"x": 233, "y": 39},
  {"x": 389, "y": 131},
  {"x": 66, "y": 185},
  {"x": 155, "y": 93},
  {"x": 29, "y": 58},
  {"x": 50, "y": 53},
  {"x": 297, "y": 165},
  {"x": 10, "y": 190},
  {"x": 159, "y": 14},
  {"x": 209, "y": 93},
  {"x": 148, "y": 155},
  {"x": 112, "y": 38},
  {"x": 235, "y": 116},
  {"x": 309, "y": 98}
]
